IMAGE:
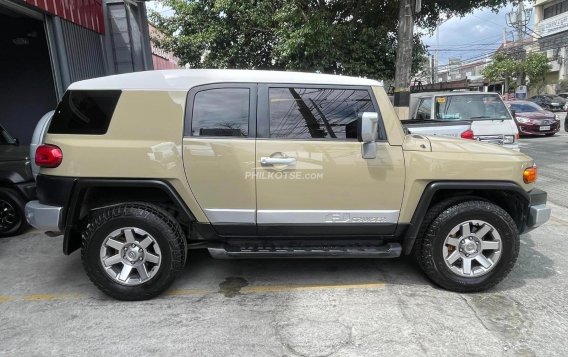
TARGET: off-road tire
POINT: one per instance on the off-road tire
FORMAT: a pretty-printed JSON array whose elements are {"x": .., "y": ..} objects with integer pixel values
[
  {"x": 428, "y": 250},
  {"x": 154, "y": 220},
  {"x": 12, "y": 198}
]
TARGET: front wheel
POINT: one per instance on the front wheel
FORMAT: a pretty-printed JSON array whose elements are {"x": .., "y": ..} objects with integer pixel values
[
  {"x": 470, "y": 246},
  {"x": 133, "y": 251}
]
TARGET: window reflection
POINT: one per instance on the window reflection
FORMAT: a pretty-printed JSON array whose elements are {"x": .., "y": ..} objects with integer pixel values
[
  {"x": 221, "y": 112},
  {"x": 304, "y": 113}
]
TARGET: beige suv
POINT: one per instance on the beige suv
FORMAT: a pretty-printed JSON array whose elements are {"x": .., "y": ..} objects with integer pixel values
[{"x": 139, "y": 168}]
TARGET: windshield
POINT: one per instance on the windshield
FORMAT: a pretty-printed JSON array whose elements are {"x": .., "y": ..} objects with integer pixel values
[
  {"x": 467, "y": 107},
  {"x": 525, "y": 107}
]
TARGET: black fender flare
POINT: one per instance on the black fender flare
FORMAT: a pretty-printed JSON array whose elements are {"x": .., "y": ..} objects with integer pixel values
[
  {"x": 72, "y": 233},
  {"x": 428, "y": 194}
]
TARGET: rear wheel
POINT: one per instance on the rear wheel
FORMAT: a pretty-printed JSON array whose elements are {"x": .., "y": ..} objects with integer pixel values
[
  {"x": 12, "y": 218},
  {"x": 133, "y": 251},
  {"x": 470, "y": 246}
]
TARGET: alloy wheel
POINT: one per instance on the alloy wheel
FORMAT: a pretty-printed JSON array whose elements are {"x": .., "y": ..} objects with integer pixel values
[
  {"x": 130, "y": 256},
  {"x": 472, "y": 248}
]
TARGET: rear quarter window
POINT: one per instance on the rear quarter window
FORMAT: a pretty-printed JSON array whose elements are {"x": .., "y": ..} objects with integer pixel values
[{"x": 84, "y": 112}]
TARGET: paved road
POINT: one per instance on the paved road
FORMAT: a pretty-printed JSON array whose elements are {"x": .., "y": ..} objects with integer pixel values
[
  {"x": 551, "y": 156},
  {"x": 293, "y": 307}
]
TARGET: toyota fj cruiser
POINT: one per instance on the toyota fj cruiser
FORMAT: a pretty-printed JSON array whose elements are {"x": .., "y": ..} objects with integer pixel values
[{"x": 137, "y": 169}]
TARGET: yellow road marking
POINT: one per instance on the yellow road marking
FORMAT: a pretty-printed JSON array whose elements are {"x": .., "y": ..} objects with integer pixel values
[
  {"x": 285, "y": 288},
  {"x": 181, "y": 292},
  {"x": 50, "y": 297},
  {"x": 4, "y": 298},
  {"x": 187, "y": 292}
]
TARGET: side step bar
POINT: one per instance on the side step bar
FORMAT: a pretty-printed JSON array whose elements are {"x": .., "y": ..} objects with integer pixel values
[{"x": 389, "y": 250}]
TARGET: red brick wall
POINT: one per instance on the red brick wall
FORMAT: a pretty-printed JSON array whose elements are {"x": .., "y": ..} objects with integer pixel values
[{"x": 86, "y": 13}]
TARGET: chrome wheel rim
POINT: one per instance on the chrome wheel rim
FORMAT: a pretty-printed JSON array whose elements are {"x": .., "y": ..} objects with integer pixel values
[
  {"x": 130, "y": 256},
  {"x": 8, "y": 216},
  {"x": 472, "y": 248}
]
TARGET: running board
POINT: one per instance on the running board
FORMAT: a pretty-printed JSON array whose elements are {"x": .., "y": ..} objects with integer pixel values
[{"x": 389, "y": 250}]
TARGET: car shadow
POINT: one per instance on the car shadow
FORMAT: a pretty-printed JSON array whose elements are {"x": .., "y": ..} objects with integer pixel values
[
  {"x": 204, "y": 271},
  {"x": 227, "y": 277}
]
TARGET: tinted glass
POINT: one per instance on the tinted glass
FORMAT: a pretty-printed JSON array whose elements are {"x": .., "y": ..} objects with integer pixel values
[
  {"x": 424, "y": 110},
  {"x": 466, "y": 107},
  {"x": 221, "y": 112},
  {"x": 305, "y": 113},
  {"x": 525, "y": 107},
  {"x": 84, "y": 112}
]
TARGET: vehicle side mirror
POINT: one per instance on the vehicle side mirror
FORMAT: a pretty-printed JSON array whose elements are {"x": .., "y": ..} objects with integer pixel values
[
  {"x": 367, "y": 130},
  {"x": 16, "y": 142},
  {"x": 367, "y": 127},
  {"x": 513, "y": 113}
]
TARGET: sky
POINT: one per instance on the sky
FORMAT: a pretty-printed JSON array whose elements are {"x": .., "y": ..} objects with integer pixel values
[{"x": 473, "y": 36}]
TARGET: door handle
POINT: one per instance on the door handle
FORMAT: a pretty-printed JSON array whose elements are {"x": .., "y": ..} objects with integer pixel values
[{"x": 268, "y": 161}]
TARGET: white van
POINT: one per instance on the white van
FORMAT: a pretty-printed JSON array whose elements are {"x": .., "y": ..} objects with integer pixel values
[{"x": 490, "y": 119}]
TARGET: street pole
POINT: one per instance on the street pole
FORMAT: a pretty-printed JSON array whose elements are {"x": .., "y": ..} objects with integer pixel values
[
  {"x": 518, "y": 19},
  {"x": 403, "y": 73}
]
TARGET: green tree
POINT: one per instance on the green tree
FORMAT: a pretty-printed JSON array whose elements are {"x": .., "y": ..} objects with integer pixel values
[
  {"x": 536, "y": 67},
  {"x": 503, "y": 68},
  {"x": 355, "y": 37}
]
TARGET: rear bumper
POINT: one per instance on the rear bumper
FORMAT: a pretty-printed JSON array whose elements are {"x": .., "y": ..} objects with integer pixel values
[
  {"x": 44, "y": 217},
  {"x": 539, "y": 212}
]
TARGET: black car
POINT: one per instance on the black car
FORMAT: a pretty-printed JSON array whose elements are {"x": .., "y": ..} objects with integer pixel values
[
  {"x": 553, "y": 103},
  {"x": 17, "y": 185}
]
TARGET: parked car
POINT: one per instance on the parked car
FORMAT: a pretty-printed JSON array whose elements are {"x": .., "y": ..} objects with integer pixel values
[
  {"x": 531, "y": 119},
  {"x": 549, "y": 102},
  {"x": 16, "y": 184},
  {"x": 470, "y": 115},
  {"x": 563, "y": 95},
  {"x": 138, "y": 168}
]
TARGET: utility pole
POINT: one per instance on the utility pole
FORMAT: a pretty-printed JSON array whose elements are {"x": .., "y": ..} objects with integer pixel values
[
  {"x": 403, "y": 68},
  {"x": 437, "y": 47},
  {"x": 518, "y": 19}
]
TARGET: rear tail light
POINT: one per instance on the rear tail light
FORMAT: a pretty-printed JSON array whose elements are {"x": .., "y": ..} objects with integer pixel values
[
  {"x": 48, "y": 156},
  {"x": 530, "y": 174},
  {"x": 468, "y": 134}
]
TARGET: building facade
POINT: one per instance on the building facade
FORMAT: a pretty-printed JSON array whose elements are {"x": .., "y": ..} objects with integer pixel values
[
  {"x": 160, "y": 58},
  {"x": 551, "y": 26},
  {"x": 45, "y": 45}
]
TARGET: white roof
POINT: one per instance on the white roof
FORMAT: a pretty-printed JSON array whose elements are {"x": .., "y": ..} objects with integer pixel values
[{"x": 184, "y": 79}]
